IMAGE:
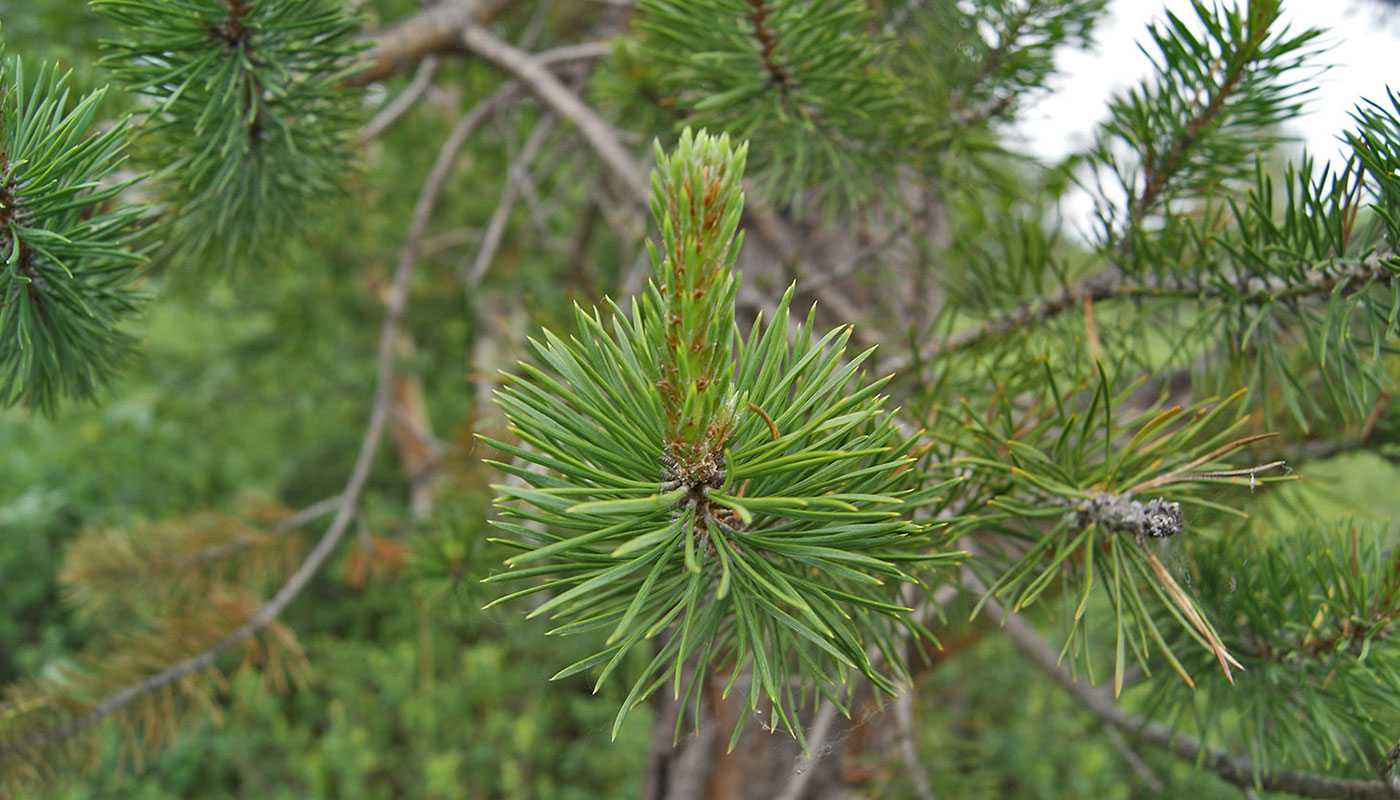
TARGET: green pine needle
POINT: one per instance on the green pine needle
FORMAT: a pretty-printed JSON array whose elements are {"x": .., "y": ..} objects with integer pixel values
[
  {"x": 68, "y": 278},
  {"x": 250, "y": 125},
  {"x": 774, "y": 530}
]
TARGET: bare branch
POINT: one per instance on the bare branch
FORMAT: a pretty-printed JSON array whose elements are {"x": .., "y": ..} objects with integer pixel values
[
  {"x": 598, "y": 132},
  {"x": 816, "y": 747},
  {"x": 1135, "y": 762},
  {"x": 980, "y": 112},
  {"x": 435, "y": 29},
  {"x": 422, "y": 79},
  {"x": 516, "y": 177},
  {"x": 400, "y": 105}
]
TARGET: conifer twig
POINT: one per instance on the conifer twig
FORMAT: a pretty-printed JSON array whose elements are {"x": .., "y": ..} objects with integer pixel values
[
  {"x": 1111, "y": 285},
  {"x": 1159, "y": 169},
  {"x": 1238, "y": 770}
]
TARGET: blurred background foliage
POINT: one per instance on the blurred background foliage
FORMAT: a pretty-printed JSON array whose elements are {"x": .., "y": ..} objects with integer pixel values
[{"x": 259, "y": 388}]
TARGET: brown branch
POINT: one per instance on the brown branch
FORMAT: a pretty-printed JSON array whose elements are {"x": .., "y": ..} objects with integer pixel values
[
  {"x": 395, "y": 305},
  {"x": 436, "y": 29},
  {"x": 778, "y": 233},
  {"x": 516, "y": 176},
  {"x": 598, "y": 132},
  {"x": 400, "y": 105},
  {"x": 1110, "y": 285},
  {"x": 1238, "y": 770},
  {"x": 422, "y": 79}
]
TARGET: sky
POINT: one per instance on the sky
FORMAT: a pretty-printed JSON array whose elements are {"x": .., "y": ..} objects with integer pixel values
[{"x": 1360, "y": 43}]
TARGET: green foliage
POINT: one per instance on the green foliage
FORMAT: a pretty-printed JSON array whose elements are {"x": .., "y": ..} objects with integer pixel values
[
  {"x": 1219, "y": 90},
  {"x": 782, "y": 547},
  {"x": 968, "y": 75},
  {"x": 800, "y": 79},
  {"x": 1312, "y": 617},
  {"x": 1376, "y": 143},
  {"x": 408, "y": 696},
  {"x": 1077, "y": 492},
  {"x": 68, "y": 276},
  {"x": 249, "y": 123},
  {"x": 702, "y": 504},
  {"x": 990, "y": 724},
  {"x": 52, "y": 32}
]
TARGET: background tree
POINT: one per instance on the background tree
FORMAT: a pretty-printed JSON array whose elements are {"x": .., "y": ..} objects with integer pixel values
[{"x": 709, "y": 492}]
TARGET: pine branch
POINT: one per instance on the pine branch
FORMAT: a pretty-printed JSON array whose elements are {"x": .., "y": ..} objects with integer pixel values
[
  {"x": 309, "y": 514},
  {"x": 802, "y": 78},
  {"x": 1316, "y": 632},
  {"x": 1061, "y": 479},
  {"x": 64, "y": 692},
  {"x": 68, "y": 249},
  {"x": 142, "y": 569},
  {"x": 249, "y": 124},
  {"x": 662, "y": 501},
  {"x": 1220, "y": 89},
  {"x": 1248, "y": 289},
  {"x": 1160, "y": 168},
  {"x": 1238, "y": 770}
]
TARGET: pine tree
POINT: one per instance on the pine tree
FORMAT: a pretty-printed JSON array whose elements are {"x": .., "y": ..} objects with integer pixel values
[{"x": 873, "y": 387}]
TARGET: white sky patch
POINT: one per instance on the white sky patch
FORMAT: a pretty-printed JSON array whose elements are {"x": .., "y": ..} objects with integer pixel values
[{"x": 1360, "y": 45}]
